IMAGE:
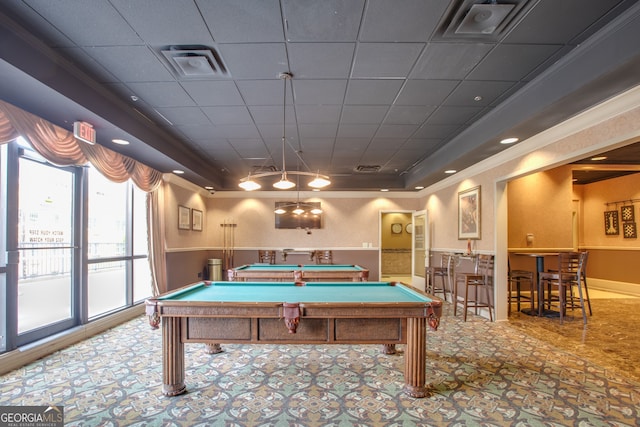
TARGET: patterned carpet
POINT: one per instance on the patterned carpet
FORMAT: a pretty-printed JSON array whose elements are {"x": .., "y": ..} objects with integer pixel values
[{"x": 481, "y": 374}]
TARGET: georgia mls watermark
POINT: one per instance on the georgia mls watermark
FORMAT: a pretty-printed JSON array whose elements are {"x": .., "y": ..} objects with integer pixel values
[{"x": 31, "y": 416}]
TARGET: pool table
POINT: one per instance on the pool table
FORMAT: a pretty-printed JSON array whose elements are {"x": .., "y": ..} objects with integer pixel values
[
  {"x": 387, "y": 313},
  {"x": 298, "y": 273}
]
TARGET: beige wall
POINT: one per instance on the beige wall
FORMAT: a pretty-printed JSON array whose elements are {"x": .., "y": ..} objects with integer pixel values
[{"x": 541, "y": 204}]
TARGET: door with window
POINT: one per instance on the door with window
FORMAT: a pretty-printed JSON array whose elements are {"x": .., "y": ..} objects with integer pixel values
[
  {"x": 420, "y": 253},
  {"x": 43, "y": 249}
]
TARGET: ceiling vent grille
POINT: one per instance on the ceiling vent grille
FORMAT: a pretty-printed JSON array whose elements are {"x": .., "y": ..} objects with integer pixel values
[
  {"x": 368, "y": 168},
  {"x": 481, "y": 20},
  {"x": 262, "y": 169},
  {"x": 195, "y": 61}
]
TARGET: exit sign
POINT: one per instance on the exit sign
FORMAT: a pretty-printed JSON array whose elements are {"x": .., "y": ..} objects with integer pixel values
[{"x": 84, "y": 132}]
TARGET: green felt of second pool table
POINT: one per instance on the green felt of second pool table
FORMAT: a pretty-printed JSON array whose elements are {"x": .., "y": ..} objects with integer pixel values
[{"x": 385, "y": 313}]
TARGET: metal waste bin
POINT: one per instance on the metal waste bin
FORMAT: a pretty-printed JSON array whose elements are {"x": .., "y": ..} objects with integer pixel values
[{"x": 215, "y": 269}]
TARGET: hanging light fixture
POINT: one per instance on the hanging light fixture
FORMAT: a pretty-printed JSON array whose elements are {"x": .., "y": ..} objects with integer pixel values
[{"x": 319, "y": 181}]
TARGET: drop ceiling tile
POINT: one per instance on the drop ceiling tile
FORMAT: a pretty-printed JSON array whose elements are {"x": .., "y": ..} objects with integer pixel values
[
  {"x": 274, "y": 132},
  {"x": 162, "y": 94},
  {"x": 237, "y": 131},
  {"x": 467, "y": 91},
  {"x": 270, "y": 114},
  {"x": 511, "y": 62},
  {"x": 372, "y": 92},
  {"x": 243, "y": 21},
  {"x": 425, "y": 92},
  {"x": 449, "y": 61},
  {"x": 348, "y": 146},
  {"x": 199, "y": 133},
  {"x": 172, "y": 22},
  {"x": 228, "y": 115},
  {"x": 327, "y": 20},
  {"x": 453, "y": 115},
  {"x": 131, "y": 63},
  {"x": 210, "y": 93},
  {"x": 184, "y": 115},
  {"x": 317, "y": 130},
  {"x": 363, "y": 114},
  {"x": 408, "y": 114},
  {"x": 321, "y": 60},
  {"x": 110, "y": 30},
  {"x": 412, "y": 21},
  {"x": 264, "y": 92},
  {"x": 316, "y": 92},
  {"x": 318, "y": 113},
  {"x": 254, "y": 60},
  {"x": 355, "y": 131},
  {"x": 379, "y": 60},
  {"x": 562, "y": 22},
  {"x": 396, "y": 131}
]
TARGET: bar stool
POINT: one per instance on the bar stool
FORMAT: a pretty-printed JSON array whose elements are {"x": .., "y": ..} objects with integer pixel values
[
  {"x": 445, "y": 272},
  {"x": 324, "y": 257},
  {"x": 516, "y": 278},
  {"x": 267, "y": 257},
  {"x": 480, "y": 279},
  {"x": 569, "y": 275}
]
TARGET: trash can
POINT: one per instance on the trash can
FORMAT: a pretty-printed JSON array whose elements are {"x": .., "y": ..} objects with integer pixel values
[{"x": 215, "y": 269}]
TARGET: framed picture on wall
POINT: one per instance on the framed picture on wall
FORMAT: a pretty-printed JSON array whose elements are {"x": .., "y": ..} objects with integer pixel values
[
  {"x": 469, "y": 214},
  {"x": 184, "y": 218},
  {"x": 627, "y": 213},
  {"x": 611, "y": 223},
  {"x": 196, "y": 217}
]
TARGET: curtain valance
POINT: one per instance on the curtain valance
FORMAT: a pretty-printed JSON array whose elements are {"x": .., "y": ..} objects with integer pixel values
[{"x": 61, "y": 148}]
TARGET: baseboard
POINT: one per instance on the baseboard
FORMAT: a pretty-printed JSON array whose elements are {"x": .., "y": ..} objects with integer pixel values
[
  {"x": 625, "y": 288},
  {"x": 21, "y": 356}
]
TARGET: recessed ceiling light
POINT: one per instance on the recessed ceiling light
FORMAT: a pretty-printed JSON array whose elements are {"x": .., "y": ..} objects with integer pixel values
[
  {"x": 208, "y": 187},
  {"x": 384, "y": 189},
  {"x": 419, "y": 187},
  {"x": 509, "y": 140},
  {"x": 120, "y": 141},
  {"x": 450, "y": 171},
  {"x": 477, "y": 98},
  {"x": 595, "y": 159},
  {"x": 178, "y": 172}
]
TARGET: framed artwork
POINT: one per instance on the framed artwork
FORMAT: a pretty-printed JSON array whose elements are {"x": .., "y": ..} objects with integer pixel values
[
  {"x": 611, "y": 227},
  {"x": 469, "y": 214},
  {"x": 184, "y": 218},
  {"x": 629, "y": 230},
  {"x": 396, "y": 228},
  {"x": 627, "y": 213},
  {"x": 196, "y": 220}
]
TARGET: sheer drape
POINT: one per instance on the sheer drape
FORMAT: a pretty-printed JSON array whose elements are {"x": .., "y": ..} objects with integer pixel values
[{"x": 61, "y": 148}]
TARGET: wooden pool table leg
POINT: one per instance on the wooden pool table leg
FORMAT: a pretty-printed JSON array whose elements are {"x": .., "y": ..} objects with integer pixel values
[
  {"x": 415, "y": 358},
  {"x": 172, "y": 357}
]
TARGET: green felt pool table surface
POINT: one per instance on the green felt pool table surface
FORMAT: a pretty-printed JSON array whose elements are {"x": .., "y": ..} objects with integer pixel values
[{"x": 366, "y": 292}]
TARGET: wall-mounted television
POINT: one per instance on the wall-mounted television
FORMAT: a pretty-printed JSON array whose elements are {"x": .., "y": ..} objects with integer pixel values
[{"x": 288, "y": 219}]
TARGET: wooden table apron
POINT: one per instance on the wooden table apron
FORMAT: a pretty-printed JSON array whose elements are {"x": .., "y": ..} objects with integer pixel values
[
  {"x": 285, "y": 273},
  {"x": 320, "y": 323}
]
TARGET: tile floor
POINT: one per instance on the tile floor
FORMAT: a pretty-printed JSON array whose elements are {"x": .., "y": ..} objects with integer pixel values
[{"x": 611, "y": 337}]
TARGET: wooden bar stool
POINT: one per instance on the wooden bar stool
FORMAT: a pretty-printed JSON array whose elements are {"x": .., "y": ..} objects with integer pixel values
[
  {"x": 480, "y": 279},
  {"x": 565, "y": 279},
  {"x": 516, "y": 278},
  {"x": 445, "y": 272},
  {"x": 267, "y": 257}
]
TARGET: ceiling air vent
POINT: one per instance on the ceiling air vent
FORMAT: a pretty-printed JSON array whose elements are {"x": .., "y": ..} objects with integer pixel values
[
  {"x": 368, "y": 168},
  {"x": 262, "y": 169},
  {"x": 195, "y": 61},
  {"x": 481, "y": 20}
]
